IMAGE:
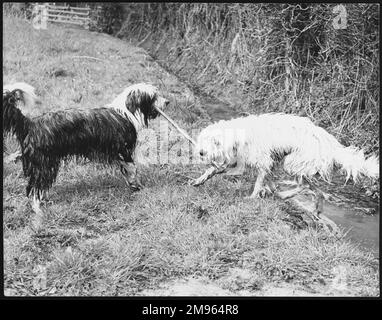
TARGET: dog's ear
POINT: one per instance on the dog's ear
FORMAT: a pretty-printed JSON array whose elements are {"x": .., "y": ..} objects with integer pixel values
[
  {"x": 19, "y": 95},
  {"x": 147, "y": 107},
  {"x": 142, "y": 102},
  {"x": 131, "y": 103}
]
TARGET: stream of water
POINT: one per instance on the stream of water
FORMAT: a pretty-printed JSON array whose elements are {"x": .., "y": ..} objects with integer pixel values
[{"x": 360, "y": 228}]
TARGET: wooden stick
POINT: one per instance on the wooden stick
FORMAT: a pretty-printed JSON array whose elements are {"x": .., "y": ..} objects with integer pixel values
[
  {"x": 176, "y": 126},
  {"x": 218, "y": 168}
]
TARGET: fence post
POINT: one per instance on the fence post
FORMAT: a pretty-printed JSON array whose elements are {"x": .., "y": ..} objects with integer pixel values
[
  {"x": 44, "y": 16},
  {"x": 87, "y": 21}
]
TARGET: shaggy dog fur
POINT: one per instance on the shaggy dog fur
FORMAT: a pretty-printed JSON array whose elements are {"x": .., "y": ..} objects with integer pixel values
[
  {"x": 261, "y": 141},
  {"x": 106, "y": 135}
]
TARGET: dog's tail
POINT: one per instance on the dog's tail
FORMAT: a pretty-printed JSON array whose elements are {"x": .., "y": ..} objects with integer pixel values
[
  {"x": 354, "y": 163},
  {"x": 13, "y": 119}
]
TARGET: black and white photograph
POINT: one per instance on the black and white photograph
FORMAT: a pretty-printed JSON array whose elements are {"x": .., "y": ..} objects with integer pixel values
[{"x": 173, "y": 149}]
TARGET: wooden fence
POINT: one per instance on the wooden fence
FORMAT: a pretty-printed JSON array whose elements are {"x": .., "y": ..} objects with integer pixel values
[{"x": 61, "y": 13}]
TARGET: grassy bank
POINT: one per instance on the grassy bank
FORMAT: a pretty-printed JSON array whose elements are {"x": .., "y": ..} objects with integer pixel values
[
  {"x": 272, "y": 57},
  {"x": 99, "y": 238}
]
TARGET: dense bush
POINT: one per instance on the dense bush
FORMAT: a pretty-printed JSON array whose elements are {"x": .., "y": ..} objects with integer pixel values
[
  {"x": 20, "y": 9},
  {"x": 106, "y": 17}
]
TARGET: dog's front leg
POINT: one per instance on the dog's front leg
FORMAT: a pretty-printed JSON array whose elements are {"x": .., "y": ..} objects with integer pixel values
[
  {"x": 36, "y": 207},
  {"x": 210, "y": 172},
  {"x": 259, "y": 189}
]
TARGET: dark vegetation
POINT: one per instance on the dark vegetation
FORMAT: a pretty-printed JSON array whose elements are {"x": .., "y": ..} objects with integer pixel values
[{"x": 268, "y": 57}]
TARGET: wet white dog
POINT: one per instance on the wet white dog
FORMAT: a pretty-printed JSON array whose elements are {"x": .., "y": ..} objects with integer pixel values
[{"x": 261, "y": 141}]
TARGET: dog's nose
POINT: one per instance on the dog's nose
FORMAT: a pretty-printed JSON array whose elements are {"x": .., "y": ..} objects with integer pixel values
[
  {"x": 166, "y": 103},
  {"x": 202, "y": 153}
]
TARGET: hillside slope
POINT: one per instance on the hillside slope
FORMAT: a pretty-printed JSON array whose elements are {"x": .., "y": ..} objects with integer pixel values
[{"x": 99, "y": 238}]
